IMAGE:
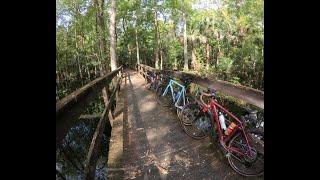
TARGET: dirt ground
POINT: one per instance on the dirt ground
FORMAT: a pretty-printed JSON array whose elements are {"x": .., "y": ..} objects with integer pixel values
[{"x": 147, "y": 141}]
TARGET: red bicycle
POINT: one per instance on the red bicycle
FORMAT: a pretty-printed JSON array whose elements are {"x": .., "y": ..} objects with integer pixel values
[{"x": 244, "y": 153}]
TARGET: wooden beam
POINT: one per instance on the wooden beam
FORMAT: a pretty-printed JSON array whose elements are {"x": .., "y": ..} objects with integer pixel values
[
  {"x": 247, "y": 94},
  {"x": 90, "y": 116},
  {"x": 97, "y": 138},
  {"x": 69, "y": 109}
]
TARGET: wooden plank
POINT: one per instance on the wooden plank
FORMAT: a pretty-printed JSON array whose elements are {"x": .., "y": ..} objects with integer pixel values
[
  {"x": 97, "y": 138},
  {"x": 115, "y": 154},
  {"x": 69, "y": 109},
  {"x": 247, "y": 94},
  {"x": 90, "y": 116}
]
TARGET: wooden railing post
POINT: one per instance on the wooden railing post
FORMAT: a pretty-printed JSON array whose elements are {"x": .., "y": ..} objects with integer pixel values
[
  {"x": 69, "y": 109},
  {"x": 90, "y": 163}
]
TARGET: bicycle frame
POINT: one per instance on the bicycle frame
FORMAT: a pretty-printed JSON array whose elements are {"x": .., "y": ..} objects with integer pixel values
[
  {"x": 182, "y": 93},
  {"x": 213, "y": 106},
  {"x": 154, "y": 79}
]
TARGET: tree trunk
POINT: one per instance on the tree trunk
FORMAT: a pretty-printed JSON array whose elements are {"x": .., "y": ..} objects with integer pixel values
[
  {"x": 175, "y": 63},
  {"x": 58, "y": 78},
  {"x": 185, "y": 49},
  {"x": 88, "y": 71},
  {"x": 101, "y": 28},
  {"x": 218, "y": 56},
  {"x": 160, "y": 51},
  {"x": 130, "y": 53},
  {"x": 193, "y": 55},
  {"x": 174, "y": 37},
  {"x": 79, "y": 67},
  {"x": 161, "y": 59},
  {"x": 156, "y": 51},
  {"x": 137, "y": 44},
  {"x": 207, "y": 54},
  {"x": 112, "y": 34},
  {"x": 127, "y": 47},
  {"x": 136, "y": 31}
]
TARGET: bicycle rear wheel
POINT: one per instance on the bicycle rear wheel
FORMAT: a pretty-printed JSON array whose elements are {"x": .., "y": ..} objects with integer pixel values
[
  {"x": 244, "y": 164},
  {"x": 193, "y": 122}
]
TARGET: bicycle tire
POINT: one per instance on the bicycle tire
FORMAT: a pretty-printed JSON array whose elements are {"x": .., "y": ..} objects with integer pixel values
[
  {"x": 189, "y": 127},
  {"x": 257, "y": 135},
  {"x": 188, "y": 99},
  {"x": 236, "y": 164}
]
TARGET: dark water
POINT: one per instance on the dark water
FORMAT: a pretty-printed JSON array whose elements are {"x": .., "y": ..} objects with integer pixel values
[{"x": 70, "y": 158}]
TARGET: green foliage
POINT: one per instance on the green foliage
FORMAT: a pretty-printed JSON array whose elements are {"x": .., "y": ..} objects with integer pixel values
[
  {"x": 235, "y": 80},
  {"x": 234, "y": 32},
  {"x": 225, "y": 64}
]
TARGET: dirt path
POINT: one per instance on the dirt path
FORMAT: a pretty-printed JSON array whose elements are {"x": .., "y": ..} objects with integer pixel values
[{"x": 153, "y": 145}]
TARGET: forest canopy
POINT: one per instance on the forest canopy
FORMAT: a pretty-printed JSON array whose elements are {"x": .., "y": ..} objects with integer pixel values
[
  {"x": 222, "y": 39},
  {"x": 218, "y": 39}
]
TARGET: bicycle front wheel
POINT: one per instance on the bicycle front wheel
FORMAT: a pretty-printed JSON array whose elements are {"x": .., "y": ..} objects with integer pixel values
[
  {"x": 243, "y": 163},
  {"x": 194, "y": 123},
  {"x": 188, "y": 99}
]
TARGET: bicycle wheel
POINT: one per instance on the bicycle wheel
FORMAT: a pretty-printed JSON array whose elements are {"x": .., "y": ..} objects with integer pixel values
[
  {"x": 195, "y": 123},
  {"x": 257, "y": 135},
  {"x": 163, "y": 100},
  {"x": 244, "y": 164},
  {"x": 188, "y": 99}
]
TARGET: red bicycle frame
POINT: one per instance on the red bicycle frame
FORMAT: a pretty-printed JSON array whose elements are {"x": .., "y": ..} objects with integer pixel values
[{"x": 213, "y": 105}]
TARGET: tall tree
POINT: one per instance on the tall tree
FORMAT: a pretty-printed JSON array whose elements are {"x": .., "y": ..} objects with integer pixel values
[
  {"x": 193, "y": 54},
  {"x": 99, "y": 5},
  {"x": 112, "y": 34},
  {"x": 137, "y": 15},
  {"x": 185, "y": 45},
  {"x": 137, "y": 45},
  {"x": 156, "y": 41}
]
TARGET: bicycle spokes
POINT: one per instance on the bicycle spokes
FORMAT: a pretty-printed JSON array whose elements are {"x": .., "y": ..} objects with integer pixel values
[{"x": 243, "y": 158}]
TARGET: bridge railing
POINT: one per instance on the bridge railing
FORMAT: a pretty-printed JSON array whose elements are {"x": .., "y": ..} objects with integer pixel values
[
  {"x": 69, "y": 110},
  {"x": 247, "y": 94}
]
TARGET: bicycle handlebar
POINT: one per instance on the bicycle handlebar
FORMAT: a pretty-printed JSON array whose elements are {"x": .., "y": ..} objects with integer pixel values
[{"x": 205, "y": 94}]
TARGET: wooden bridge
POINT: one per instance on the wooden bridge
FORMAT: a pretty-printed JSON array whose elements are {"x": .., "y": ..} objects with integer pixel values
[{"x": 146, "y": 140}]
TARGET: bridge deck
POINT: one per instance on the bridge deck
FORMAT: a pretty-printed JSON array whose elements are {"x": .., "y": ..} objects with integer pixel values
[{"x": 147, "y": 141}]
